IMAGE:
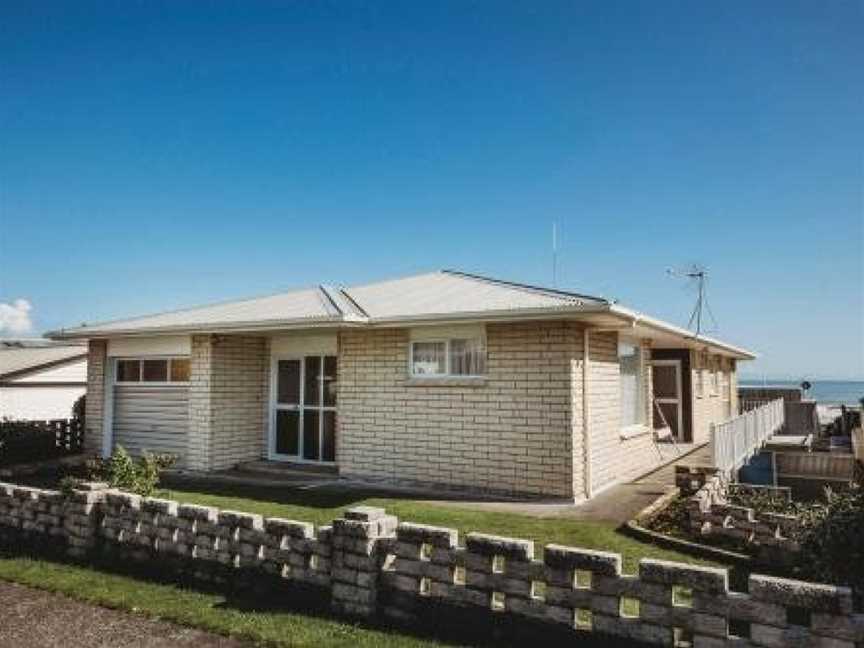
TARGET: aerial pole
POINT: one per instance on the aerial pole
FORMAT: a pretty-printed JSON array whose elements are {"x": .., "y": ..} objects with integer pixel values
[
  {"x": 697, "y": 274},
  {"x": 554, "y": 254}
]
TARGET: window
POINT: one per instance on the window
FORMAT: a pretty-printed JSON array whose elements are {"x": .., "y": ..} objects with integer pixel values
[
  {"x": 128, "y": 371},
  {"x": 450, "y": 357},
  {"x": 631, "y": 384},
  {"x": 715, "y": 376},
  {"x": 180, "y": 370},
  {"x": 152, "y": 370}
]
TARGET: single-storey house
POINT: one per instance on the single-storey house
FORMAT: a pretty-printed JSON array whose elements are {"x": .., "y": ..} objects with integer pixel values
[
  {"x": 444, "y": 380},
  {"x": 40, "y": 381}
]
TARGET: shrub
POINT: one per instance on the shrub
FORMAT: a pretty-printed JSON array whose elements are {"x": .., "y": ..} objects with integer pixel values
[
  {"x": 79, "y": 407},
  {"x": 123, "y": 472},
  {"x": 832, "y": 549}
]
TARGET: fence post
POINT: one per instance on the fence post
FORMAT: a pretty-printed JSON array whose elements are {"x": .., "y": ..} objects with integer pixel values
[{"x": 361, "y": 540}]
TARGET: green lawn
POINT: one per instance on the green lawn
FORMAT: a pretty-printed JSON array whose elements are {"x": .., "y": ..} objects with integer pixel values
[
  {"x": 322, "y": 506},
  {"x": 246, "y": 619}
]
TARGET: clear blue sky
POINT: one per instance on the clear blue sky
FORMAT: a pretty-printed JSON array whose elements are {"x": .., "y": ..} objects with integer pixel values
[{"x": 156, "y": 155}]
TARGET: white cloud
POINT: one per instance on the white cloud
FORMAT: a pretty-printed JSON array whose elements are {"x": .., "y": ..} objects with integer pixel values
[{"x": 15, "y": 317}]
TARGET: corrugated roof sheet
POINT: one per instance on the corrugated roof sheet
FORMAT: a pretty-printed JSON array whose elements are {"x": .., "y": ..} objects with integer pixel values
[
  {"x": 433, "y": 294},
  {"x": 451, "y": 293},
  {"x": 15, "y": 360},
  {"x": 299, "y": 305}
]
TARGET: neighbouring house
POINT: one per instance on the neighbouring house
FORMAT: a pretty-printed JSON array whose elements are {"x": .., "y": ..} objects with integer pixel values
[
  {"x": 444, "y": 379},
  {"x": 40, "y": 381}
]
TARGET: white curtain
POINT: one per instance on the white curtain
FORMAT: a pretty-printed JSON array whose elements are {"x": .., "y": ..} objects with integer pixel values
[{"x": 631, "y": 382}]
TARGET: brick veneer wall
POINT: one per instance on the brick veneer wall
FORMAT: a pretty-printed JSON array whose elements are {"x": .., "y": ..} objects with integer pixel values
[
  {"x": 517, "y": 431},
  {"x": 369, "y": 563},
  {"x": 95, "y": 404},
  {"x": 228, "y": 397},
  {"x": 710, "y": 407},
  {"x": 615, "y": 459}
]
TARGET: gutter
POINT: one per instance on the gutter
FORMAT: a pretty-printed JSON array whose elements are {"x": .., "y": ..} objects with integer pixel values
[
  {"x": 638, "y": 318},
  {"x": 347, "y": 319}
]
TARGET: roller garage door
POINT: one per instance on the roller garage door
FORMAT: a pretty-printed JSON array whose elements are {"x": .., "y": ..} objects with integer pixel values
[
  {"x": 151, "y": 405},
  {"x": 155, "y": 419}
]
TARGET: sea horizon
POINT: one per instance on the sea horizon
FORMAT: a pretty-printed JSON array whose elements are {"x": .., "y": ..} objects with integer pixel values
[{"x": 828, "y": 391}]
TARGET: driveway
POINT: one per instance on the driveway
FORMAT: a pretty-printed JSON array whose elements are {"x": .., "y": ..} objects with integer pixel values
[{"x": 40, "y": 619}]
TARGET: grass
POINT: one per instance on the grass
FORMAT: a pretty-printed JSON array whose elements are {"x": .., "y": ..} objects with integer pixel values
[
  {"x": 236, "y": 617},
  {"x": 321, "y": 506}
]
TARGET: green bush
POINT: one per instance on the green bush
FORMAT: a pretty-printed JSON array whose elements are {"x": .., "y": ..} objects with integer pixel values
[
  {"x": 123, "y": 472},
  {"x": 832, "y": 539}
]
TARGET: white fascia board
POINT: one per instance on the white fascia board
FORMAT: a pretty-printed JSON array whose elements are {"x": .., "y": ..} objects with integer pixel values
[
  {"x": 651, "y": 322},
  {"x": 239, "y": 327}
]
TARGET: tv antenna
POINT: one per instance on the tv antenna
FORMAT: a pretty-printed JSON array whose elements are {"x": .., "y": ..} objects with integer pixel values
[
  {"x": 554, "y": 254},
  {"x": 698, "y": 275}
]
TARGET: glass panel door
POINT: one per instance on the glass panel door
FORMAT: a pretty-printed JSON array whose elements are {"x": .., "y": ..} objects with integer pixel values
[
  {"x": 287, "y": 415},
  {"x": 304, "y": 421}
]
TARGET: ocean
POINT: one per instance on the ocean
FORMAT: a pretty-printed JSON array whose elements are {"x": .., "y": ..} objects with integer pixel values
[{"x": 829, "y": 392}]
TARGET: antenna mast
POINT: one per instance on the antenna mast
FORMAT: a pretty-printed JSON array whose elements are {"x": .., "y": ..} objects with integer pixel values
[
  {"x": 699, "y": 275},
  {"x": 554, "y": 254}
]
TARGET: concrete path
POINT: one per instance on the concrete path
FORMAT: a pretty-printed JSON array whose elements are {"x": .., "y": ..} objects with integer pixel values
[
  {"x": 39, "y": 619},
  {"x": 617, "y": 505}
]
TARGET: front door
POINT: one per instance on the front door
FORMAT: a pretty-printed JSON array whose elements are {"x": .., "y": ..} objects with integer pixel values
[
  {"x": 668, "y": 401},
  {"x": 303, "y": 420}
]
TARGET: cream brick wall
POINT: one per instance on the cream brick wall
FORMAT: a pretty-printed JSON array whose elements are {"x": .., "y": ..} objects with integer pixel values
[
  {"x": 614, "y": 459},
  {"x": 95, "y": 404},
  {"x": 228, "y": 400},
  {"x": 517, "y": 432},
  {"x": 710, "y": 407}
]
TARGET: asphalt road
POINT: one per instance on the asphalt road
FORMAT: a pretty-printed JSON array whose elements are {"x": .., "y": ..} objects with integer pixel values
[{"x": 38, "y": 619}]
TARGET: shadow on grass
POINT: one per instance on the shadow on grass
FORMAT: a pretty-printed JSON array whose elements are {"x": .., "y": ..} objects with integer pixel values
[{"x": 252, "y": 592}]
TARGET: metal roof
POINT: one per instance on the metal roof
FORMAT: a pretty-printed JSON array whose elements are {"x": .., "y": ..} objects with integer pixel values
[
  {"x": 436, "y": 294},
  {"x": 449, "y": 292},
  {"x": 19, "y": 360},
  {"x": 446, "y": 295}
]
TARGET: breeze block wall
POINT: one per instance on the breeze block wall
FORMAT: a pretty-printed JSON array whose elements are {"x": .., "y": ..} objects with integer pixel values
[
  {"x": 516, "y": 431},
  {"x": 770, "y": 535},
  {"x": 370, "y": 564},
  {"x": 227, "y": 400}
]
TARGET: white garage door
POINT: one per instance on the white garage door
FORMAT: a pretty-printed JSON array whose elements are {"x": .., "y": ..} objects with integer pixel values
[
  {"x": 151, "y": 406},
  {"x": 155, "y": 419}
]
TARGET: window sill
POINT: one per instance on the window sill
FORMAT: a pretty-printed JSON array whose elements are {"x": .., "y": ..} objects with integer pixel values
[
  {"x": 446, "y": 381},
  {"x": 634, "y": 432}
]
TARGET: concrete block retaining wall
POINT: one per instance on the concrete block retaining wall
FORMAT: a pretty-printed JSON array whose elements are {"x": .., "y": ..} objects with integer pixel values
[
  {"x": 370, "y": 564},
  {"x": 710, "y": 514}
]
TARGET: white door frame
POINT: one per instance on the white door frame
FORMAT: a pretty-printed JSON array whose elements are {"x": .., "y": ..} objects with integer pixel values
[
  {"x": 299, "y": 408},
  {"x": 678, "y": 389}
]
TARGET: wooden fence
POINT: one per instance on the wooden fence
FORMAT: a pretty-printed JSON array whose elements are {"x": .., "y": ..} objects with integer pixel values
[
  {"x": 815, "y": 465},
  {"x": 734, "y": 441},
  {"x": 26, "y": 441}
]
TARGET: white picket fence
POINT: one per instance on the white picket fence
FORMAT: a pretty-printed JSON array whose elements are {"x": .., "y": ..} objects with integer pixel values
[{"x": 734, "y": 441}]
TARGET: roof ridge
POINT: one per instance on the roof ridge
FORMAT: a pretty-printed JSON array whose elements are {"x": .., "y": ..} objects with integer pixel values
[
  {"x": 328, "y": 302},
  {"x": 522, "y": 286},
  {"x": 354, "y": 303}
]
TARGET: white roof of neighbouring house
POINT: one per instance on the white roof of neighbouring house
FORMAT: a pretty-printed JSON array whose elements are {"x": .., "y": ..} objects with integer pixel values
[
  {"x": 16, "y": 360},
  {"x": 446, "y": 295}
]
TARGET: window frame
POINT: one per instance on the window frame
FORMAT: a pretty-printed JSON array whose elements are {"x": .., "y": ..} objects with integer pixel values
[
  {"x": 642, "y": 387},
  {"x": 447, "y": 368},
  {"x": 301, "y": 407},
  {"x": 150, "y": 383}
]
